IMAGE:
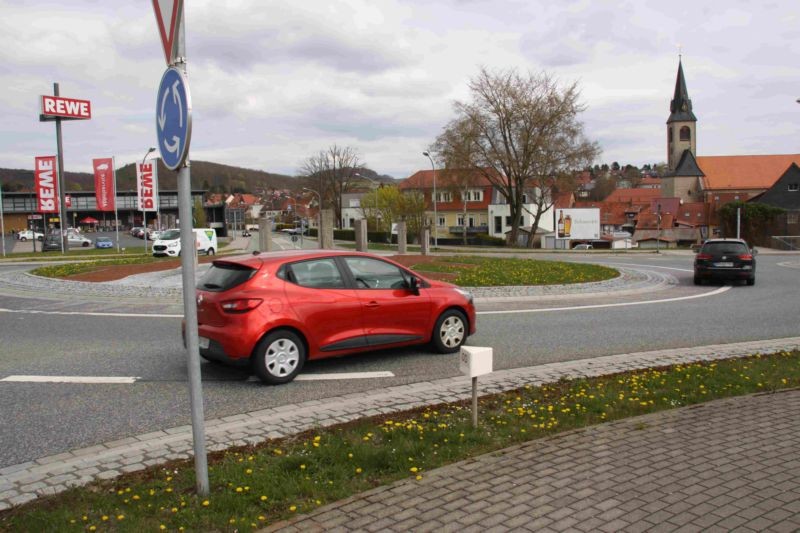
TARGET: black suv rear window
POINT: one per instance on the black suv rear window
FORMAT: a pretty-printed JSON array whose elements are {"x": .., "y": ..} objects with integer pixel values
[
  {"x": 724, "y": 248},
  {"x": 224, "y": 276}
]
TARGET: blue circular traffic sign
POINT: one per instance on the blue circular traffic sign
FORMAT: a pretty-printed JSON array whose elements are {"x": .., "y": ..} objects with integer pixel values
[{"x": 174, "y": 118}]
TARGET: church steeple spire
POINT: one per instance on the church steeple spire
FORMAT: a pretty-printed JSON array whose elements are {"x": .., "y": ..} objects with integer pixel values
[
  {"x": 681, "y": 106},
  {"x": 682, "y": 178}
]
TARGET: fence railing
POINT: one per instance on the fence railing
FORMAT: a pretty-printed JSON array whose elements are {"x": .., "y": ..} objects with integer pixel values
[{"x": 786, "y": 242}]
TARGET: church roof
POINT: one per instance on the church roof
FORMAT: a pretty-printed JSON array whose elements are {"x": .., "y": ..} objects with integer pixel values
[
  {"x": 744, "y": 171},
  {"x": 681, "y": 106},
  {"x": 687, "y": 166}
]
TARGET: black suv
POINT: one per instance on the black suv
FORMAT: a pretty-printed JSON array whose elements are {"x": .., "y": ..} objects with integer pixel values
[{"x": 725, "y": 259}]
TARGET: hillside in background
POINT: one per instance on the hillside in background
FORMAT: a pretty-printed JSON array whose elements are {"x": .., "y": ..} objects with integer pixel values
[{"x": 212, "y": 177}]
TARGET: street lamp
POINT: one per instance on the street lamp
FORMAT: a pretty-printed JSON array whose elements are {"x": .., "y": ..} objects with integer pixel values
[
  {"x": 319, "y": 215},
  {"x": 435, "y": 217}
]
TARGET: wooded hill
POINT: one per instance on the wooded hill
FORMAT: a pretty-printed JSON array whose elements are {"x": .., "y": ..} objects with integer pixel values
[{"x": 213, "y": 177}]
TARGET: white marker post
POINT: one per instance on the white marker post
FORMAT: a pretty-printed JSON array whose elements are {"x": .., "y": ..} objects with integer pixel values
[{"x": 475, "y": 361}]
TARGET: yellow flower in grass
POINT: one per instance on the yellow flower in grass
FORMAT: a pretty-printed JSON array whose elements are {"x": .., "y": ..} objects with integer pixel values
[
  {"x": 206, "y": 503},
  {"x": 263, "y": 498},
  {"x": 293, "y": 508},
  {"x": 358, "y": 470}
]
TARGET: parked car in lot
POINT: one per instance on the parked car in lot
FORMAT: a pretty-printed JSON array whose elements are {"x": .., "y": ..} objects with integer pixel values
[
  {"x": 103, "y": 242},
  {"x": 75, "y": 239},
  {"x": 276, "y": 310},
  {"x": 583, "y": 247},
  {"x": 725, "y": 259},
  {"x": 27, "y": 235},
  {"x": 52, "y": 243},
  {"x": 153, "y": 234},
  {"x": 137, "y": 232}
]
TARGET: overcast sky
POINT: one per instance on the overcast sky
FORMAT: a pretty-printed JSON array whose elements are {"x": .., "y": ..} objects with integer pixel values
[{"x": 274, "y": 82}]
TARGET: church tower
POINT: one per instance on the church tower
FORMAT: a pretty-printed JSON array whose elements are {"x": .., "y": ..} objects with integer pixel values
[{"x": 682, "y": 179}]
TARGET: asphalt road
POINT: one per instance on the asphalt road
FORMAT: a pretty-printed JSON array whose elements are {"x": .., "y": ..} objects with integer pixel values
[{"x": 45, "y": 418}]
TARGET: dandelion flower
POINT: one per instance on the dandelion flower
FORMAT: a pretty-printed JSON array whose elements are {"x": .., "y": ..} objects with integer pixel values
[{"x": 206, "y": 503}]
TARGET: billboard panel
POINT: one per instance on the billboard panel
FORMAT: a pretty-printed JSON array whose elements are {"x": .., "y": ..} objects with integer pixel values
[
  {"x": 147, "y": 185},
  {"x": 104, "y": 183},
  {"x": 46, "y": 184},
  {"x": 578, "y": 224}
]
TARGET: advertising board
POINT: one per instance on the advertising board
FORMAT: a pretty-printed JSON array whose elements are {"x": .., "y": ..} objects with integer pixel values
[{"x": 578, "y": 224}]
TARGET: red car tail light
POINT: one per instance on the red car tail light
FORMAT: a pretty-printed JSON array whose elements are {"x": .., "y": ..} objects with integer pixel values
[
  {"x": 704, "y": 257},
  {"x": 242, "y": 305},
  {"x": 746, "y": 257}
]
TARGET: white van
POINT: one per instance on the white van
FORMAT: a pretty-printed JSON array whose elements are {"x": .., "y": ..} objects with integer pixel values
[{"x": 169, "y": 242}]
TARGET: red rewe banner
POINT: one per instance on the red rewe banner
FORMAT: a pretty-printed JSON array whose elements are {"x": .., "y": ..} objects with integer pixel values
[
  {"x": 56, "y": 106},
  {"x": 104, "y": 183},
  {"x": 147, "y": 185},
  {"x": 46, "y": 184}
]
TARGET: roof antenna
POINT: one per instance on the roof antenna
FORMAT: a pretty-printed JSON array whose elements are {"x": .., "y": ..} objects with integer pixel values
[{"x": 680, "y": 51}]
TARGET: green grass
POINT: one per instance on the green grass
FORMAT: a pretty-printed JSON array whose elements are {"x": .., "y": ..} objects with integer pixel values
[
  {"x": 70, "y": 269},
  {"x": 475, "y": 271},
  {"x": 255, "y": 486}
]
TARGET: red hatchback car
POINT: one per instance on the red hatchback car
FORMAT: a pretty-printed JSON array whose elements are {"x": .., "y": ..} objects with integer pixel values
[{"x": 276, "y": 310}]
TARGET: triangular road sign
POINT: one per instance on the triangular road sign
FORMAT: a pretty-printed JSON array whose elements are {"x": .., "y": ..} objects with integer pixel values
[{"x": 169, "y": 17}]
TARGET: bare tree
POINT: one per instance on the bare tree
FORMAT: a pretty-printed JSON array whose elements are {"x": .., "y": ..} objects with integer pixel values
[
  {"x": 330, "y": 173},
  {"x": 523, "y": 135}
]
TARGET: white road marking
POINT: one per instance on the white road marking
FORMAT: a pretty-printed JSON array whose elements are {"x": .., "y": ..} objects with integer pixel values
[
  {"x": 340, "y": 375},
  {"x": 600, "y": 306},
  {"x": 651, "y": 266},
  {"x": 88, "y": 313},
  {"x": 72, "y": 379}
]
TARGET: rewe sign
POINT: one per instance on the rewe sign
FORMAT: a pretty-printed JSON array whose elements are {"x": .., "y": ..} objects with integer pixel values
[
  {"x": 56, "y": 106},
  {"x": 147, "y": 186},
  {"x": 46, "y": 184}
]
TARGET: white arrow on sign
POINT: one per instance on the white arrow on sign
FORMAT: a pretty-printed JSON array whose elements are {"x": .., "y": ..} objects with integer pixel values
[
  {"x": 175, "y": 146},
  {"x": 176, "y": 99}
]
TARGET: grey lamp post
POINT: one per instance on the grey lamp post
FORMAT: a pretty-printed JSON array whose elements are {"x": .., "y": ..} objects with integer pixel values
[{"x": 435, "y": 216}]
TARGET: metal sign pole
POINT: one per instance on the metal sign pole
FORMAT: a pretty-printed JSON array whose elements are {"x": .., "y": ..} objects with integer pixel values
[
  {"x": 114, "y": 189},
  {"x": 173, "y": 127},
  {"x": 190, "y": 319},
  {"x": 2, "y": 224},
  {"x": 62, "y": 203}
]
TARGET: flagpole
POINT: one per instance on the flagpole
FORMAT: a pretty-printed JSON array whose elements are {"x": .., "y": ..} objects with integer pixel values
[
  {"x": 116, "y": 218},
  {"x": 2, "y": 224}
]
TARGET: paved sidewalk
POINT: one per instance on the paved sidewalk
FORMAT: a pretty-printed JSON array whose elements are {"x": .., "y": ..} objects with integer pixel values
[
  {"x": 50, "y": 475},
  {"x": 726, "y": 465}
]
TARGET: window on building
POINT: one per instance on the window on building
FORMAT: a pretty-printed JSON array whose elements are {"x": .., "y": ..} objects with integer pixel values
[
  {"x": 444, "y": 196},
  {"x": 792, "y": 218},
  {"x": 794, "y": 187},
  {"x": 474, "y": 195},
  {"x": 686, "y": 134},
  {"x": 460, "y": 220},
  {"x": 669, "y": 135},
  {"x": 441, "y": 222}
]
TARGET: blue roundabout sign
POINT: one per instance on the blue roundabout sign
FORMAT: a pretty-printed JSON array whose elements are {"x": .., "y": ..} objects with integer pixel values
[{"x": 174, "y": 118}]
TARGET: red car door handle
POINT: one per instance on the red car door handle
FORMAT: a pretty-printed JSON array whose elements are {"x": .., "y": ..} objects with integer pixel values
[{"x": 373, "y": 304}]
